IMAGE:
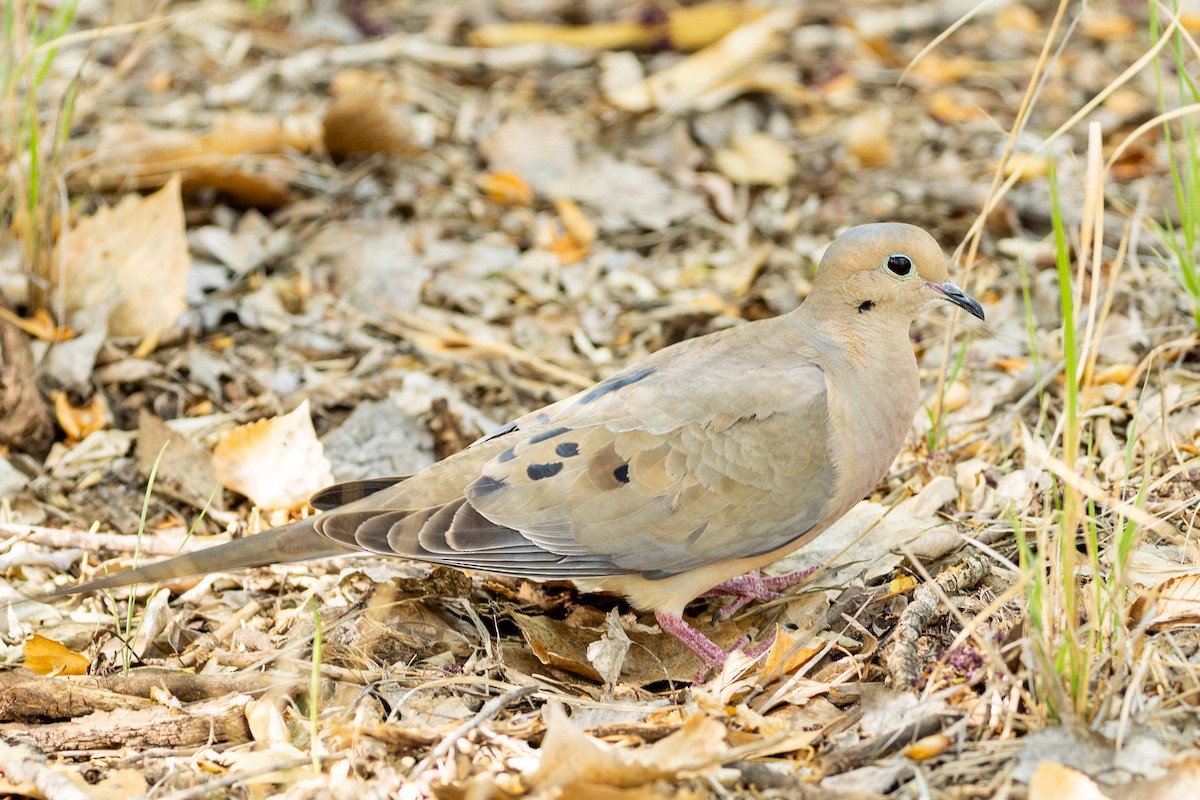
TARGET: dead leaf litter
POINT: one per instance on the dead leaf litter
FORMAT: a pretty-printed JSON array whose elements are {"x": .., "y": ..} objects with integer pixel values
[{"x": 371, "y": 233}]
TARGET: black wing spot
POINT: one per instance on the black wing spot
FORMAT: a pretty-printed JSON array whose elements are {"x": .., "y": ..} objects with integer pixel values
[
  {"x": 550, "y": 434},
  {"x": 621, "y": 473},
  {"x": 567, "y": 449},
  {"x": 865, "y": 306},
  {"x": 507, "y": 455},
  {"x": 538, "y": 471},
  {"x": 613, "y": 384},
  {"x": 486, "y": 485}
]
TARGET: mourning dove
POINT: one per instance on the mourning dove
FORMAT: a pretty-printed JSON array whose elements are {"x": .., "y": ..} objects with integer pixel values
[{"x": 704, "y": 462}]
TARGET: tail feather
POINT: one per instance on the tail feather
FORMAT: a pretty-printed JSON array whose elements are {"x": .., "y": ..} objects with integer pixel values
[{"x": 295, "y": 542}]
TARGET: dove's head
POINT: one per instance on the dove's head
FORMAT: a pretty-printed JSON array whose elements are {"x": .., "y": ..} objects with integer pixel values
[{"x": 887, "y": 269}]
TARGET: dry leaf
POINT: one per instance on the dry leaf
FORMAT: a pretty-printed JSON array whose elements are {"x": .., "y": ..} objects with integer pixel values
[
  {"x": 682, "y": 29},
  {"x": 702, "y": 81},
  {"x": 132, "y": 258},
  {"x": 1182, "y": 780},
  {"x": 938, "y": 70},
  {"x": 652, "y": 657},
  {"x": 119, "y": 784},
  {"x": 1107, "y": 26},
  {"x": 256, "y": 766},
  {"x": 868, "y": 138},
  {"x": 505, "y": 187},
  {"x": 1173, "y": 602},
  {"x": 576, "y": 223},
  {"x": 573, "y": 761},
  {"x": 1116, "y": 373},
  {"x": 1053, "y": 781},
  {"x": 267, "y": 725},
  {"x": 607, "y": 654},
  {"x": 40, "y": 325},
  {"x": 1029, "y": 166},
  {"x": 784, "y": 658},
  {"x": 580, "y": 233},
  {"x": 756, "y": 159},
  {"x": 1010, "y": 363},
  {"x": 954, "y": 398},
  {"x": 949, "y": 111},
  {"x": 928, "y": 747},
  {"x": 250, "y": 157},
  {"x": 558, "y": 644},
  {"x": 179, "y": 461},
  {"x": 48, "y": 657},
  {"x": 277, "y": 462},
  {"x": 79, "y": 422},
  {"x": 1018, "y": 17},
  {"x": 369, "y": 115},
  {"x": 156, "y": 620}
]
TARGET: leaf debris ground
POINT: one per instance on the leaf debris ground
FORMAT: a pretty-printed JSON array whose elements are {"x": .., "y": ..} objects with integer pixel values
[{"x": 526, "y": 219}]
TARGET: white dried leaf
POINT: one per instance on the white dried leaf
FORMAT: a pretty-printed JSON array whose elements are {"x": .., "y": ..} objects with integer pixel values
[{"x": 278, "y": 463}]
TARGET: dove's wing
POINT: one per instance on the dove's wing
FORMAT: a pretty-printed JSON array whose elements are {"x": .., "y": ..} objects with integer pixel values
[{"x": 713, "y": 449}]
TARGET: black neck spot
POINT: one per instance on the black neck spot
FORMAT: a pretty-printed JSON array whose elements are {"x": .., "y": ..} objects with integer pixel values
[{"x": 865, "y": 306}]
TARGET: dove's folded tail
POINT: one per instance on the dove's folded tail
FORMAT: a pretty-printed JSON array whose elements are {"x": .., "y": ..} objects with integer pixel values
[{"x": 298, "y": 541}]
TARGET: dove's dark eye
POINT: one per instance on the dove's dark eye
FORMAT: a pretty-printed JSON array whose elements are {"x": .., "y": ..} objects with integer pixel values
[{"x": 899, "y": 265}]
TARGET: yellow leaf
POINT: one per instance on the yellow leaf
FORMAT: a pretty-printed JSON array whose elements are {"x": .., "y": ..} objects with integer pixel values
[
  {"x": 1107, "y": 26},
  {"x": 940, "y": 70},
  {"x": 1017, "y": 17},
  {"x": 79, "y": 422},
  {"x": 507, "y": 188},
  {"x": 953, "y": 399},
  {"x": 48, "y": 657},
  {"x": 1010, "y": 364},
  {"x": 575, "y": 222},
  {"x": 1028, "y": 166},
  {"x": 781, "y": 649},
  {"x": 1117, "y": 373},
  {"x": 40, "y": 326},
  {"x": 947, "y": 110},
  {"x": 928, "y": 747}
]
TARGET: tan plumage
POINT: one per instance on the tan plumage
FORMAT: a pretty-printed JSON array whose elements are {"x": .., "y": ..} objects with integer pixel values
[{"x": 710, "y": 458}]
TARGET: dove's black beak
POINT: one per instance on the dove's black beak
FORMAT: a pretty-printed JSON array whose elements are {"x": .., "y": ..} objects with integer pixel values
[{"x": 958, "y": 297}]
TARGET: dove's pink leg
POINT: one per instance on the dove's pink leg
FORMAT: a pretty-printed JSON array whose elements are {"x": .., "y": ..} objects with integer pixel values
[
  {"x": 710, "y": 652},
  {"x": 760, "y": 648},
  {"x": 753, "y": 586}
]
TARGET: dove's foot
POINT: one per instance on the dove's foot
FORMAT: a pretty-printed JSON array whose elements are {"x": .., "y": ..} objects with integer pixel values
[
  {"x": 753, "y": 586},
  {"x": 754, "y": 651},
  {"x": 710, "y": 652}
]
